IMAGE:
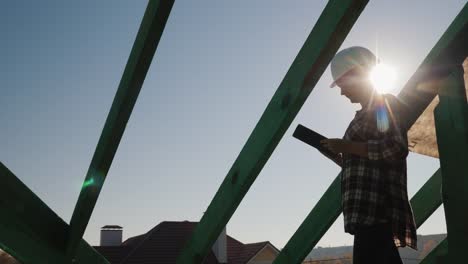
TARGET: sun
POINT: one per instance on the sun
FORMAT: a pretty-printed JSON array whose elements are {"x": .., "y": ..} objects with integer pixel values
[{"x": 383, "y": 78}]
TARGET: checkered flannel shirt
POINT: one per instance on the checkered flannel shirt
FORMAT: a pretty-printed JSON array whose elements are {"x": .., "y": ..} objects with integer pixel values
[{"x": 374, "y": 189}]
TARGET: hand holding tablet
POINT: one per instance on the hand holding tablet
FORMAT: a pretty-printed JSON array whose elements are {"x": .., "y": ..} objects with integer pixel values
[{"x": 313, "y": 139}]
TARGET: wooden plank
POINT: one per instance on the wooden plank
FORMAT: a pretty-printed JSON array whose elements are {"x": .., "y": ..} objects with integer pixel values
[
  {"x": 30, "y": 231},
  {"x": 326, "y": 37},
  {"x": 149, "y": 34},
  {"x": 420, "y": 92},
  {"x": 447, "y": 54},
  {"x": 438, "y": 255},
  {"x": 427, "y": 199},
  {"x": 451, "y": 120},
  {"x": 314, "y": 226}
]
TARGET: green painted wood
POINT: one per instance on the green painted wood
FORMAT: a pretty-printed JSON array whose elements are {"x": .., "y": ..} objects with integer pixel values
[
  {"x": 30, "y": 231},
  {"x": 146, "y": 42},
  {"x": 450, "y": 50},
  {"x": 319, "y": 220},
  {"x": 427, "y": 199},
  {"x": 451, "y": 121},
  {"x": 328, "y": 208},
  {"x": 438, "y": 255},
  {"x": 326, "y": 37}
]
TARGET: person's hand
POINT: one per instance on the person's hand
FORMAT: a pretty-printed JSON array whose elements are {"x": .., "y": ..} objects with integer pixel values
[{"x": 335, "y": 145}]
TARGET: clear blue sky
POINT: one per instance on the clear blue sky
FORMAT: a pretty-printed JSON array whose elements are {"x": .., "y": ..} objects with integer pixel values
[{"x": 216, "y": 68}]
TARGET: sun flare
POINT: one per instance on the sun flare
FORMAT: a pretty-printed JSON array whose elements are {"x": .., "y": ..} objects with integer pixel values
[{"x": 383, "y": 78}]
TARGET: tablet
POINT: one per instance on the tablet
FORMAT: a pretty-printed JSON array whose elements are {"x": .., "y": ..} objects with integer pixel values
[{"x": 313, "y": 139}]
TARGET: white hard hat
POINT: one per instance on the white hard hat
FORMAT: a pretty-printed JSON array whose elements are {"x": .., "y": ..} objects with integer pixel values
[{"x": 349, "y": 58}]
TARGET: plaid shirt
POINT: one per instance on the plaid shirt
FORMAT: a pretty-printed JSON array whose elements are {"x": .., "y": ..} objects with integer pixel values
[{"x": 374, "y": 189}]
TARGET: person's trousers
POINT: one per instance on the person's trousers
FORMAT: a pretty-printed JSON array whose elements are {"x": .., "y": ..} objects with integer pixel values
[{"x": 374, "y": 245}]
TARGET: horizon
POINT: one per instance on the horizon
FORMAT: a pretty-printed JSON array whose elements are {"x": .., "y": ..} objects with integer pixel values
[{"x": 227, "y": 233}]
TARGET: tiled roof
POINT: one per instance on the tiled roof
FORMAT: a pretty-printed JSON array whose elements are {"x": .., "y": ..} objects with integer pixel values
[
  {"x": 133, "y": 240},
  {"x": 243, "y": 253},
  {"x": 114, "y": 254},
  {"x": 164, "y": 242}
]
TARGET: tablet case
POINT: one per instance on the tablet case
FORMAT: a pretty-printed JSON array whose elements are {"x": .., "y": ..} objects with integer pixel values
[{"x": 313, "y": 138}]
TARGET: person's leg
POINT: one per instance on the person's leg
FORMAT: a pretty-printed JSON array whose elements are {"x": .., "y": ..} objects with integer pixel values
[
  {"x": 366, "y": 249},
  {"x": 392, "y": 253},
  {"x": 374, "y": 244}
]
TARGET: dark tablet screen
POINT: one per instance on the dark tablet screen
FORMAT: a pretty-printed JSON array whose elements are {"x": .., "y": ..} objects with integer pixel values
[{"x": 312, "y": 138}]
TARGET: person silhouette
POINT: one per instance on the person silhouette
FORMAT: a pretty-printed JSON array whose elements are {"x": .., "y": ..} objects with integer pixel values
[{"x": 373, "y": 152}]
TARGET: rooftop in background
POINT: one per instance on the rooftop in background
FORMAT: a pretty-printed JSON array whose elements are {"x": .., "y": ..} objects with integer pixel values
[{"x": 164, "y": 242}]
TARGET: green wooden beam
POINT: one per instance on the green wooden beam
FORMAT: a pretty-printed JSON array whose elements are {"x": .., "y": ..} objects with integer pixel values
[
  {"x": 326, "y": 37},
  {"x": 328, "y": 208},
  {"x": 448, "y": 51},
  {"x": 30, "y": 231},
  {"x": 451, "y": 121},
  {"x": 319, "y": 220},
  {"x": 438, "y": 255},
  {"x": 146, "y": 42},
  {"x": 427, "y": 199}
]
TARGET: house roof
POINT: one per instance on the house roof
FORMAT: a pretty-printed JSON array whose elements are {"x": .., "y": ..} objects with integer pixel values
[
  {"x": 243, "y": 253},
  {"x": 164, "y": 242},
  {"x": 114, "y": 254}
]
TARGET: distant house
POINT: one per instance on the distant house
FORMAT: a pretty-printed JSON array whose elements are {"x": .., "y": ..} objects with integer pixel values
[{"x": 164, "y": 242}]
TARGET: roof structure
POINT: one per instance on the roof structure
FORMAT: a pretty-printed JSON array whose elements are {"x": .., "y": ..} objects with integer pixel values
[
  {"x": 34, "y": 234},
  {"x": 163, "y": 243}
]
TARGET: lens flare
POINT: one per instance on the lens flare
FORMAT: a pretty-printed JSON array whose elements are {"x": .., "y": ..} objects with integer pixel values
[
  {"x": 382, "y": 118},
  {"x": 88, "y": 183},
  {"x": 383, "y": 78}
]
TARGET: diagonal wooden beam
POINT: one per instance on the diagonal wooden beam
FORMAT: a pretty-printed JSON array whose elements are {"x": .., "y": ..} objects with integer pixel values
[
  {"x": 427, "y": 199},
  {"x": 326, "y": 37},
  {"x": 438, "y": 255},
  {"x": 30, "y": 231},
  {"x": 314, "y": 226},
  {"x": 447, "y": 54},
  {"x": 146, "y": 42},
  {"x": 451, "y": 121}
]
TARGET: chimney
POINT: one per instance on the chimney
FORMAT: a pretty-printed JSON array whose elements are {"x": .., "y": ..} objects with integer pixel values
[
  {"x": 220, "y": 247},
  {"x": 111, "y": 235}
]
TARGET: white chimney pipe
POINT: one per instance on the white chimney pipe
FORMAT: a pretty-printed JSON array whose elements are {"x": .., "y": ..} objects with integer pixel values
[
  {"x": 220, "y": 247},
  {"x": 111, "y": 235}
]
